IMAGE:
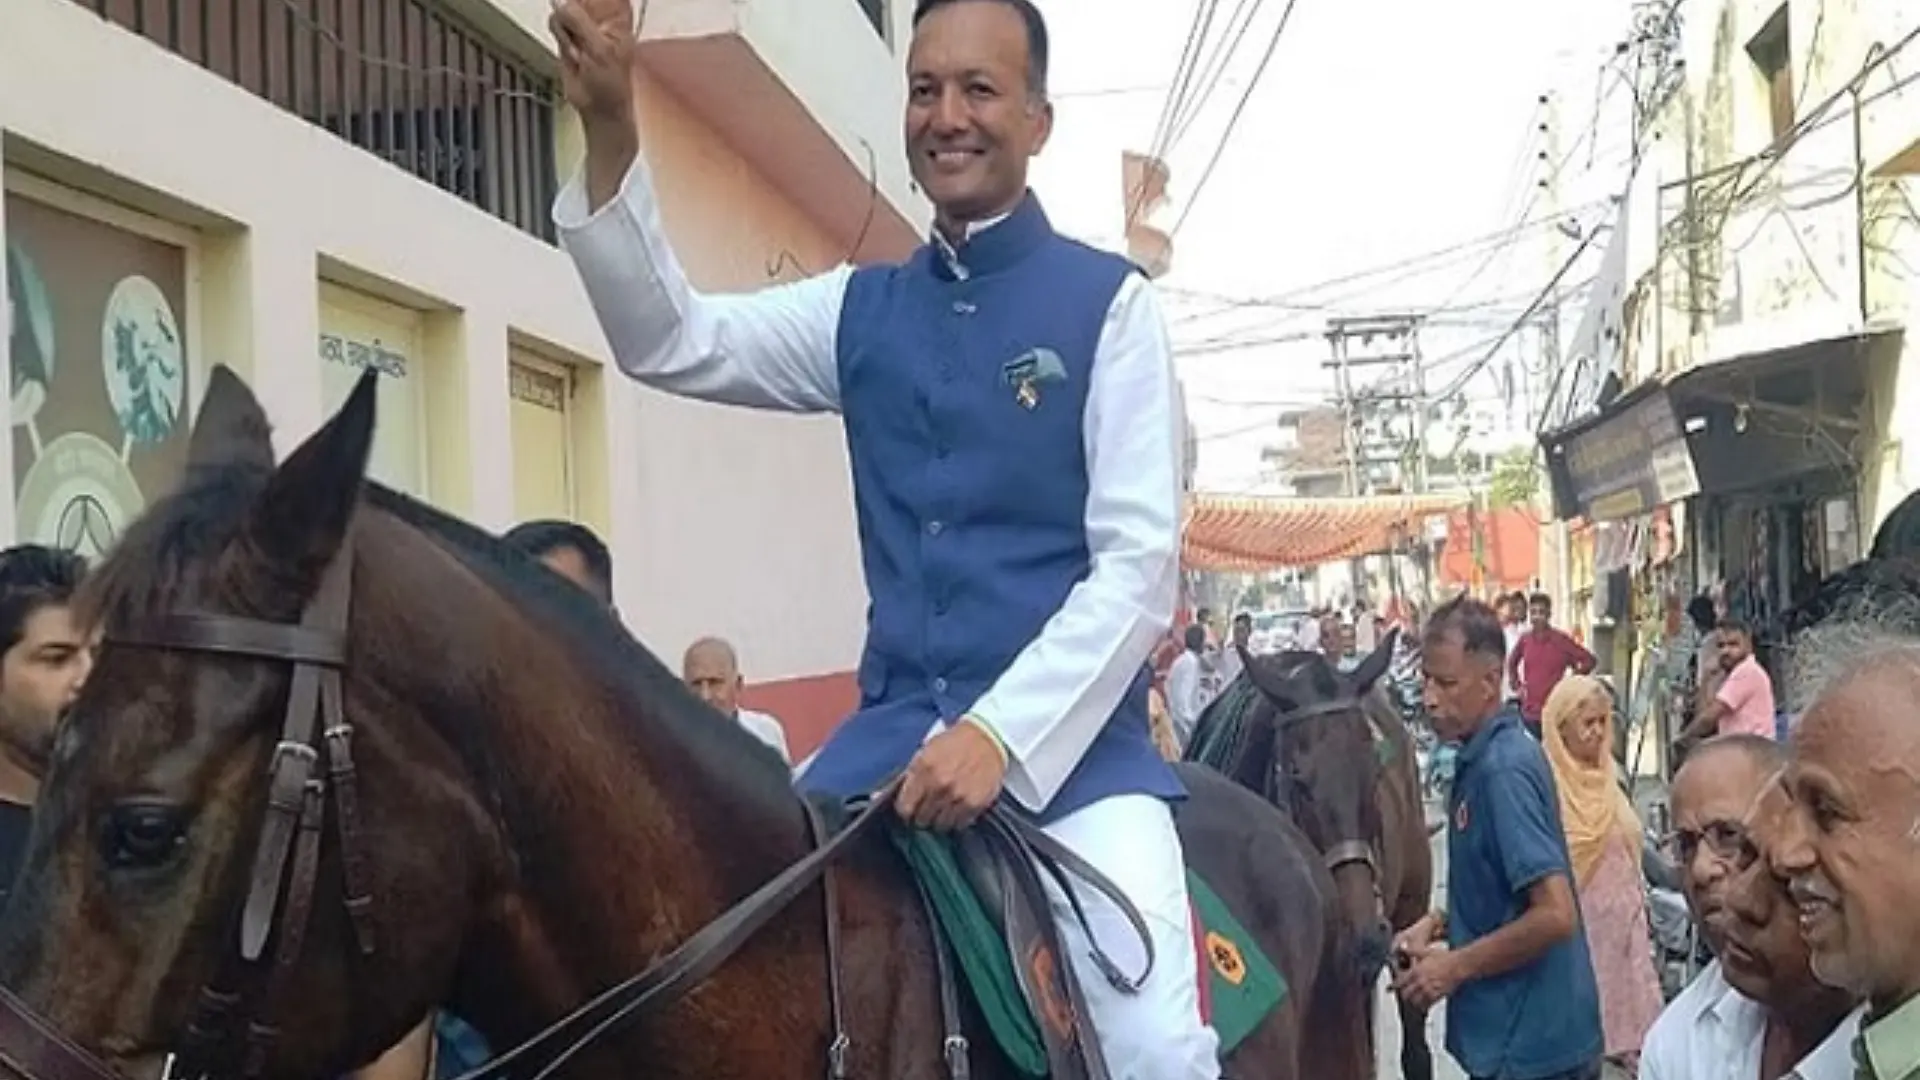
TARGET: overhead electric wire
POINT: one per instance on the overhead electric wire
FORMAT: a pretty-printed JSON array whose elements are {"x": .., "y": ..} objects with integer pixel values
[
  {"x": 1216, "y": 66},
  {"x": 1176, "y": 95},
  {"x": 1233, "y": 121},
  {"x": 1411, "y": 266}
]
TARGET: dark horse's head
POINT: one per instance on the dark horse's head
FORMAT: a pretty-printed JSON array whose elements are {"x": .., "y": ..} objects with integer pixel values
[
  {"x": 1305, "y": 741},
  {"x": 330, "y": 758}
]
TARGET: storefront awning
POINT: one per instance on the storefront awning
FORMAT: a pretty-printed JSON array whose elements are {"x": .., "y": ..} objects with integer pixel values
[
  {"x": 1246, "y": 535},
  {"x": 1626, "y": 459},
  {"x": 1673, "y": 437}
]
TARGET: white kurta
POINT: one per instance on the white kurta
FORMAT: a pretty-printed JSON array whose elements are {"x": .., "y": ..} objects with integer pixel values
[
  {"x": 1712, "y": 1032},
  {"x": 767, "y": 729},
  {"x": 776, "y": 349},
  {"x": 1186, "y": 697}
]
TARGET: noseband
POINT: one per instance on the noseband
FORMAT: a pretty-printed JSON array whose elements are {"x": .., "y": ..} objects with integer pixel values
[{"x": 1344, "y": 852}]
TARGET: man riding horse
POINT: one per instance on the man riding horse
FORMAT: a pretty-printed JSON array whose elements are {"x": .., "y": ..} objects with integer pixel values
[{"x": 1008, "y": 396}]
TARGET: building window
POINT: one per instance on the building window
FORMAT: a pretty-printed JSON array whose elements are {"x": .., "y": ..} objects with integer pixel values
[
  {"x": 404, "y": 79},
  {"x": 544, "y": 480},
  {"x": 1771, "y": 51},
  {"x": 102, "y": 366},
  {"x": 357, "y": 332}
]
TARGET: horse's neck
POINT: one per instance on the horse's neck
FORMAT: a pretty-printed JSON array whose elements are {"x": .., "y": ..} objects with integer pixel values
[{"x": 617, "y": 838}]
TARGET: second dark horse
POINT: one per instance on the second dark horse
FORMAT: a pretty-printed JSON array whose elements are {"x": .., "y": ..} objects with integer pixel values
[{"x": 1328, "y": 748}]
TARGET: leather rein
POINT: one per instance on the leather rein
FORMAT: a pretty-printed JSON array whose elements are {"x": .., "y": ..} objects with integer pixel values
[{"x": 284, "y": 873}]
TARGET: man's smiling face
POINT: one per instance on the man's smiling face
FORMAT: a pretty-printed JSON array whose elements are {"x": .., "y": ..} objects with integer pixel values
[
  {"x": 1848, "y": 846},
  {"x": 973, "y": 117}
]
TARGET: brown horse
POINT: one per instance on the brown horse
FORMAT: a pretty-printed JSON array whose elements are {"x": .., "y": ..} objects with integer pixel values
[
  {"x": 508, "y": 807},
  {"x": 1329, "y": 748}
]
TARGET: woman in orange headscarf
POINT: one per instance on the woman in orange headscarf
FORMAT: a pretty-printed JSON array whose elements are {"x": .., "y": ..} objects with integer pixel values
[{"x": 1603, "y": 839}]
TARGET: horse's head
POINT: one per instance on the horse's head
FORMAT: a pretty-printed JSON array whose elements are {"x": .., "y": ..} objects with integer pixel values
[
  {"x": 1325, "y": 772},
  {"x": 200, "y": 842}
]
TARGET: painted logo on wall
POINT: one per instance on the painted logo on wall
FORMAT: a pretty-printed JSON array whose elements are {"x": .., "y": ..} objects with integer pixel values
[{"x": 99, "y": 378}]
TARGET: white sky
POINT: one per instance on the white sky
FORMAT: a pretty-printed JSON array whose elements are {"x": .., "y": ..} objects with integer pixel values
[{"x": 1382, "y": 130}]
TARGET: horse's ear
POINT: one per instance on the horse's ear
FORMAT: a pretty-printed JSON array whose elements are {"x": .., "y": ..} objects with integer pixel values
[
  {"x": 301, "y": 519},
  {"x": 1375, "y": 665},
  {"x": 1271, "y": 684},
  {"x": 232, "y": 428}
]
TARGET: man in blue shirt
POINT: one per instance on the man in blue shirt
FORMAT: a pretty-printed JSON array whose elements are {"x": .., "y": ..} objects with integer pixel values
[{"x": 1514, "y": 969}]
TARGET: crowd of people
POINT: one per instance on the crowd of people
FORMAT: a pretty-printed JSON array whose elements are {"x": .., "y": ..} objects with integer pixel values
[{"x": 1797, "y": 859}]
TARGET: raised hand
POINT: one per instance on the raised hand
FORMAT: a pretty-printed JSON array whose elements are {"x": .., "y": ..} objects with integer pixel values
[{"x": 595, "y": 39}]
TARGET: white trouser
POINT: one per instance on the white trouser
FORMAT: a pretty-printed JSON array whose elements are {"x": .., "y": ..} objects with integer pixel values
[{"x": 1157, "y": 1033}]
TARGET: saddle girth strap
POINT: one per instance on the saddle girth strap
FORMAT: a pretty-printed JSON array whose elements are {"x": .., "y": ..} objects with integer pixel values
[
  {"x": 954, "y": 1047},
  {"x": 842, "y": 1046}
]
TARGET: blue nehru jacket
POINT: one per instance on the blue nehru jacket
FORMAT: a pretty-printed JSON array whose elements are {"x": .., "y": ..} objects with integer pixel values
[{"x": 963, "y": 392}]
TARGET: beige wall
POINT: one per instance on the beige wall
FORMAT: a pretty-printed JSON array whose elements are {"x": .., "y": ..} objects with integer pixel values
[{"x": 721, "y": 521}]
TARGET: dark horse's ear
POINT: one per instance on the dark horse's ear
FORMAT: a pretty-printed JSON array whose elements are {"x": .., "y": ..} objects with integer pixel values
[
  {"x": 232, "y": 428},
  {"x": 301, "y": 519},
  {"x": 1270, "y": 683},
  {"x": 1375, "y": 665}
]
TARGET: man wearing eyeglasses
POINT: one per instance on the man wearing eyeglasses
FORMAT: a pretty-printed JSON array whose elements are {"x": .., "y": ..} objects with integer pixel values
[{"x": 1757, "y": 1011}]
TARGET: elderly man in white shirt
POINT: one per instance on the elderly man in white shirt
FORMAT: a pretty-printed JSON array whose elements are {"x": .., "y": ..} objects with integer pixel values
[
  {"x": 712, "y": 669},
  {"x": 1757, "y": 1012}
]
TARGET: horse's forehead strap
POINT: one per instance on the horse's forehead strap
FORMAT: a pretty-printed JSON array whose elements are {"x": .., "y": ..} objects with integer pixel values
[
  {"x": 1341, "y": 704},
  {"x": 232, "y": 635}
]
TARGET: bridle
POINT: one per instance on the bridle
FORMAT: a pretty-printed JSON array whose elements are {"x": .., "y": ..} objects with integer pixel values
[
  {"x": 1344, "y": 852},
  {"x": 281, "y": 884},
  {"x": 312, "y": 765}
]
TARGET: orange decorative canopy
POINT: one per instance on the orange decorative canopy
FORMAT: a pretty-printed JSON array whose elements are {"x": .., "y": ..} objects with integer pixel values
[{"x": 1249, "y": 534}]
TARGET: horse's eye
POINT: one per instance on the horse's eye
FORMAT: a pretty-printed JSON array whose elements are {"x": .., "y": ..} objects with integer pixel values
[{"x": 142, "y": 835}]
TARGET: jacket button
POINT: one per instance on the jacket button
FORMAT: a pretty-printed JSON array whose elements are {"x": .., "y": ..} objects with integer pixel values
[
  {"x": 963, "y": 307},
  {"x": 934, "y": 528},
  {"x": 939, "y": 685}
]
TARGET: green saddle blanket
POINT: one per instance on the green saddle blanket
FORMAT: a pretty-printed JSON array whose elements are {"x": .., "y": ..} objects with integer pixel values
[{"x": 1241, "y": 988}]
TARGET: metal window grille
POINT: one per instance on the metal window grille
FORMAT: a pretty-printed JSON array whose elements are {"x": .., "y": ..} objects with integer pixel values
[{"x": 403, "y": 79}]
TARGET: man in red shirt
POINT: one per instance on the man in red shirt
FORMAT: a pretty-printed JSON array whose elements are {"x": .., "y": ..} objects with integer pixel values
[{"x": 1541, "y": 658}]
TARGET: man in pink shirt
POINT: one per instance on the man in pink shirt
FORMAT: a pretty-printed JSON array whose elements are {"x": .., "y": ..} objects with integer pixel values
[{"x": 1744, "y": 701}]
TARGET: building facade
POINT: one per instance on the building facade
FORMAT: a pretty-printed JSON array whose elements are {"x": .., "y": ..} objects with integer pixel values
[
  {"x": 1763, "y": 379},
  {"x": 302, "y": 191}
]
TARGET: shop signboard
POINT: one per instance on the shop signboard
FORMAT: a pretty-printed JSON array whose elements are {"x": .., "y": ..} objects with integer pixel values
[{"x": 1627, "y": 463}]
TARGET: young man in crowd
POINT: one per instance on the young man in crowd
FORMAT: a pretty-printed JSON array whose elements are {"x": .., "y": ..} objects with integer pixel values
[
  {"x": 570, "y": 550},
  {"x": 1742, "y": 700},
  {"x": 1541, "y": 658},
  {"x": 44, "y": 661}
]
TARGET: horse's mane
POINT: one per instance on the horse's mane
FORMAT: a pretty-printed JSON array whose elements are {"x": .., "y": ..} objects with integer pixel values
[
  {"x": 177, "y": 538},
  {"x": 182, "y": 533},
  {"x": 1220, "y": 734},
  {"x": 611, "y": 653}
]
